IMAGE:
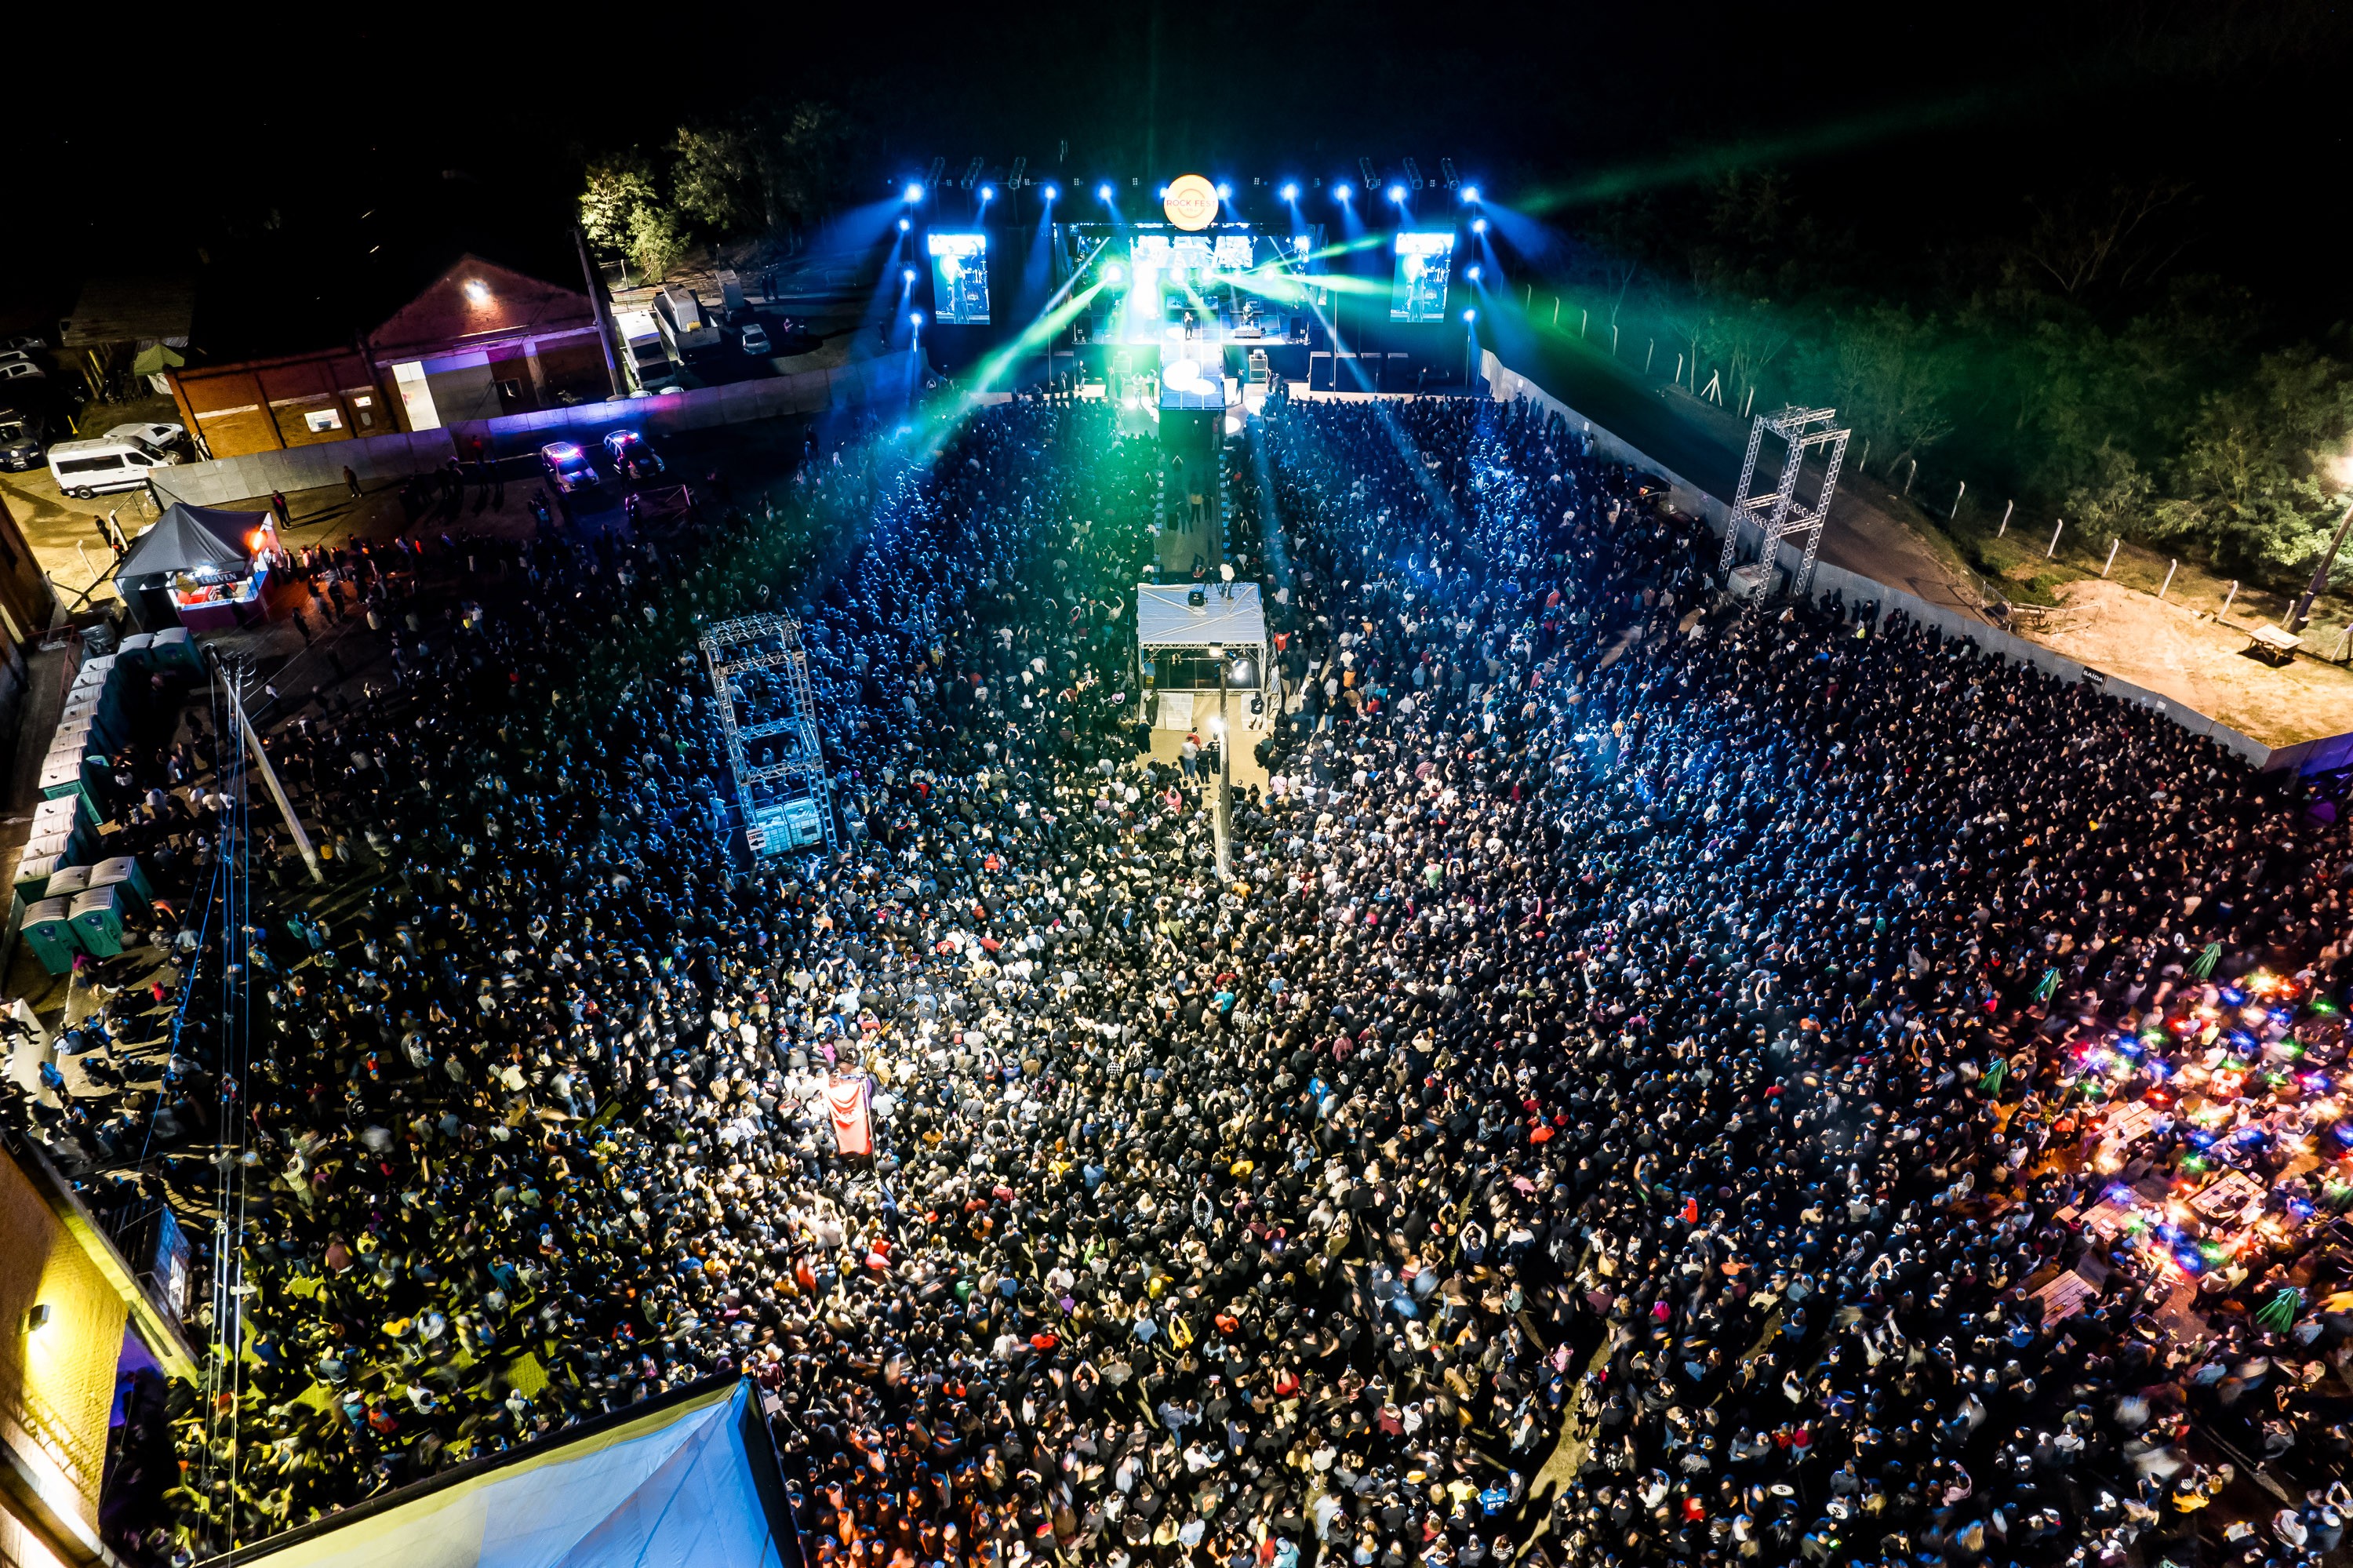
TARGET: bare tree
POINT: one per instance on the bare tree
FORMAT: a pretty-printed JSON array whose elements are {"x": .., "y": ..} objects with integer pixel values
[{"x": 2081, "y": 240}]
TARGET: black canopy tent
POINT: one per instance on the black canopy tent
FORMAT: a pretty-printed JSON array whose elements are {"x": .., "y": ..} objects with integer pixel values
[{"x": 198, "y": 543}]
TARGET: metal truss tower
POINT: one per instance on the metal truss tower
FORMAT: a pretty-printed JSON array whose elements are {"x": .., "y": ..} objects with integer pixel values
[
  {"x": 759, "y": 671},
  {"x": 1778, "y": 512}
]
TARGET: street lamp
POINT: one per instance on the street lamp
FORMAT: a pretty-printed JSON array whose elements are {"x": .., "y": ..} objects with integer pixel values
[{"x": 2342, "y": 468}]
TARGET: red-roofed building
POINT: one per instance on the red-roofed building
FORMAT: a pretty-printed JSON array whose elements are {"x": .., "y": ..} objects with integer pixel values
[{"x": 483, "y": 341}]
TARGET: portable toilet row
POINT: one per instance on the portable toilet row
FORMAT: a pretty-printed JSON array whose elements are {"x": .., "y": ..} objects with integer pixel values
[
  {"x": 91, "y": 726},
  {"x": 63, "y": 826},
  {"x": 82, "y": 910},
  {"x": 171, "y": 650}
]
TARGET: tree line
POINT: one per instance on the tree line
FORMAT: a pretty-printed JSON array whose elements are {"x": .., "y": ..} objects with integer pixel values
[
  {"x": 2073, "y": 363},
  {"x": 767, "y": 168}
]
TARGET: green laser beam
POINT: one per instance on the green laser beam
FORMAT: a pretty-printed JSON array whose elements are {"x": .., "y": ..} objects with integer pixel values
[{"x": 1630, "y": 179}]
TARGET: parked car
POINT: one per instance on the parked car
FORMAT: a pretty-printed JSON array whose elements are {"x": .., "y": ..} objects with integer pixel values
[
  {"x": 19, "y": 368},
  {"x": 85, "y": 469},
  {"x": 568, "y": 468},
  {"x": 20, "y": 440},
  {"x": 158, "y": 438},
  {"x": 755, "y": 341},
  {"x": 21, "y": 342},
  {"x": 633, "y": 457}
]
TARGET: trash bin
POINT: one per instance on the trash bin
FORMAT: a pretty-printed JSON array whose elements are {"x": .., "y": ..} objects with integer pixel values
[{"x": 48, "y": 931}]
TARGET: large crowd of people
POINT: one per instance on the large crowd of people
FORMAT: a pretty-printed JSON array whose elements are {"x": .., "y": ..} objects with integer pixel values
[{"x": 1663, "y": 1077}]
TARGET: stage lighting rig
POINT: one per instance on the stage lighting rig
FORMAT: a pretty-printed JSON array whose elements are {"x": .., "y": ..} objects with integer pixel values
[
  {"x": 1013, "y": 181},
  {"x": 1413, "y": 175},
  {"x": 971, "y": 175},
  {"x": 931, "y": 177},
  {"x": 1372, "y": 175},
  {"x": 1446, "y": 170}
]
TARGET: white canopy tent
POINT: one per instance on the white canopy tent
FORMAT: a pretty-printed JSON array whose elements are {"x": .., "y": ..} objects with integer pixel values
[
  {"x": 680, "y": 1482},
  {"x": 1174, "y": 636}
]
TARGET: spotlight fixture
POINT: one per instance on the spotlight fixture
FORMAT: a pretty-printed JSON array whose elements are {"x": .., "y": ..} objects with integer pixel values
[
  {"x": 907, "y": 275},
  {"x": 1114, "y": 272},
  {"x": 988, "y": 193},
  {"x": 1396, "y": 194},
  {"x": 1290, "y": 193},
  {"x": 1340, "y": 191},
  {"x": 1478, "y": 226},
  {"x": 1471, "y": 271},
  {"x": 1469, "y": 316},
  {"x": 1225, "y": 190},
  {"x": 904, "y": 225},
  {"x": 1470, "y": 193},
  {"x": 915, "y": 318},
  {"x": 914, "y": 191},
  {"x": 1103, "y": 191},
  {"x": 1050, "y": 193},
  {"x": 37, "y": 1315}
]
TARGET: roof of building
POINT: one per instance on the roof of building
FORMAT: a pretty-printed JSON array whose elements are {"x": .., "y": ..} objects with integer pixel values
[
  {"x": 479, "y": 302},
  {"x": 1164, "y": 620},
  {"x": 131, "y": 309}
]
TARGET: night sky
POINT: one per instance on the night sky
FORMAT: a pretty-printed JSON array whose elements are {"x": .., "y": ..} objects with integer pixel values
[{"x": 313, "y": 178}]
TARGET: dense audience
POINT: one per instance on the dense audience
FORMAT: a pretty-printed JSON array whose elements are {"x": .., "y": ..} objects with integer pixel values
[{"x": 1668, "y": 1078}]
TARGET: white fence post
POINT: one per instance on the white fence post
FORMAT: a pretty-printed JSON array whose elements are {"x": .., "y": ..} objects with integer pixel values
[
  {"x": 2053, "y": 550},
  {"x": 2169, "y": 580},
  {"x": 2111, "y": 561},
  {"x": 2228, "y": 599},
  {"x": 2007, "y": 509}
]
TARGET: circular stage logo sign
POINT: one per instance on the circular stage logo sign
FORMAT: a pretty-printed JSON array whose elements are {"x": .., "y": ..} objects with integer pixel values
[{"x": 1191, "y": 202}]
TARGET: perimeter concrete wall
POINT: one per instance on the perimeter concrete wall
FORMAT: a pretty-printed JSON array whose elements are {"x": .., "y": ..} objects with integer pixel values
[{"x": 401, "y": 454}]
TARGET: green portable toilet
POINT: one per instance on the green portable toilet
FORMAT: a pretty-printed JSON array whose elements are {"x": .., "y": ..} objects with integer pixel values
[
  {"x": 137, "y": 650},
  {"x": 48, "y": 931},
  {"x": 126, "y": 870},
  {"x": 174, "y": 650},
  {"x": 33, "y": 877},
  {"x": 67, "y": 882},
  {"x": 97, "y": 917}
]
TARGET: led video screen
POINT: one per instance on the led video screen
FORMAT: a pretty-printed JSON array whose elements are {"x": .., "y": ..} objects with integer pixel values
[
  {"x": 1418, "y": 291},
  {"x": 960, "y": 278}
]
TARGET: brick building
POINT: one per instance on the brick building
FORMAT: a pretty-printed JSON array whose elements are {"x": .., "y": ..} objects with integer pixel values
[
  {"x": 480, "y": 341},
  {"x": 483, "y": 341},
  {"x": 269, "y": 405}
]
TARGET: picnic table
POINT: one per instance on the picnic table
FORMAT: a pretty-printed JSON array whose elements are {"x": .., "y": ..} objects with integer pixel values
[{"x": 2274, "y": 646}]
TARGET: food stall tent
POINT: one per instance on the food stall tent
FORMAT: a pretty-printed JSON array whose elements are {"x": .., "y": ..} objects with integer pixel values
[{"x": 199, "y": 566}]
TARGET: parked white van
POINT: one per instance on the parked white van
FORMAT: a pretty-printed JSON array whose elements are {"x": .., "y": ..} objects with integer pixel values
[{"x": 84, "y": 469}]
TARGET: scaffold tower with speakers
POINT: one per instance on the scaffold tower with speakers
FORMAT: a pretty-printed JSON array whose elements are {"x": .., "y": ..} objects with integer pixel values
[
  {"x": 759, "y": 671},
  {"x": 1778, "y": 512}
]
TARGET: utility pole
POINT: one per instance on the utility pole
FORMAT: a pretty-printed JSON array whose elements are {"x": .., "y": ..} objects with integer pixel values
[
  {"x": 2312, "y": 590},
  {"x": 596, "y": 302},
  {"x": 269, "y": 778}
]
